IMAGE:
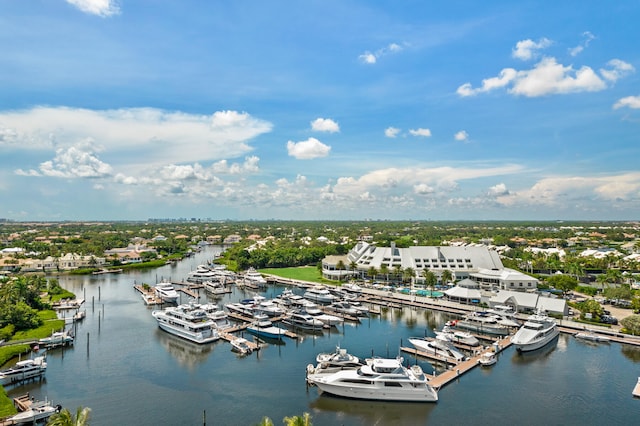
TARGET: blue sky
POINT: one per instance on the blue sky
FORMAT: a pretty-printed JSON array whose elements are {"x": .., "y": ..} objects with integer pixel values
[{"x": 135, "y": 109}]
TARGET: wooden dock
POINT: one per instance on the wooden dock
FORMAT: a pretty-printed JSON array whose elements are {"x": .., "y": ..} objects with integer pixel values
[
  {"x": 636, "y": 389},
  {"x": 459, "y": 369}
]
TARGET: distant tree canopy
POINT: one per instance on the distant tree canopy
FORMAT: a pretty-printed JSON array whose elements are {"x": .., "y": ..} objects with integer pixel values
[
  {"x": 562, "y": 282},
  {"x": 280, "y": 254}
]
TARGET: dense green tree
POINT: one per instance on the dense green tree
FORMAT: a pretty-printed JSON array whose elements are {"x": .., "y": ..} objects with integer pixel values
[
  {"x": 631, "y": 324},
  {"x": 562, "y": 282}
]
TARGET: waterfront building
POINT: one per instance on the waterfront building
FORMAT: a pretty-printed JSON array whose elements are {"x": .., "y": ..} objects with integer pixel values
[
  {"x": 477, "y": 262},
  {"x": 526, "y": 302}
]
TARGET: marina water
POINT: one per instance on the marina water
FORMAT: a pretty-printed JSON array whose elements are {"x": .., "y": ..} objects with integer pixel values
[{"x": 131, "y": 373}]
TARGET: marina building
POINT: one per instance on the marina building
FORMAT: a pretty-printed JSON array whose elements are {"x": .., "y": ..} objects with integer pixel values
[{"x": 475, "y": 262}]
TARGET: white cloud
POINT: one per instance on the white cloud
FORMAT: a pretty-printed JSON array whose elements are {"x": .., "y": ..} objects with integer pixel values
[
  {"x": 156, "y": 136},
  {"x": 420, "y": 132},
  {"x": 549, "y": 77},
  {"x": 461, "y": 136},
  {"x": 629, "y": 102},
  {"x": 575, "y": 51},
  {"x": 617, "y": 70},
  {"x": 499, "y": 189},
  {"x": 325, "y": 125},
  {"x": 372, "y": 57},
  {"x": 103, "y": 8},
  {"x": 528, "y": 49},
  {"x": 309, "y": 149},
  {"x": 78, "y": 161},
  {"x": 391, "y": 132}
]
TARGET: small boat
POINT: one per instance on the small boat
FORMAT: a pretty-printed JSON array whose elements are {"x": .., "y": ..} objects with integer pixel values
[
  {"x": 457, "y": 336},
  {"x": 438, "y": 347},
  {"x": 23, "y": 370},
  {"x": 241, "y": 345},
  {"x": 592, "y": 337},
  {"x": 488, "y": 358},
  {"x": 58, "y": 338},
  {"x": 37, "y": 412},
  {"x": 330, "y": 362},
  {"x": 80, "y": 315},
  {"x": 166, "y": 292},
  {"x": 263, "y": 327}
]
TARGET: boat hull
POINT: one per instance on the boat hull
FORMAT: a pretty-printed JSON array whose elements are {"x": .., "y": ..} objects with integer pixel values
[
  {"x": 537, "y": 344},
  {"x": 376, "y": 393}
]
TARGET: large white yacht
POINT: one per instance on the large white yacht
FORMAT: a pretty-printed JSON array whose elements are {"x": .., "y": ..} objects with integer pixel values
[
  {"x": 319, "y": 294},
  {"x": 23, "y": 370},
  {"x": 202, "y": 274},
  {"x": 187, "y": 321},
  {"x": 166, "y": 292},
  {"x": 537, "y": 331},
  {"x": 253, "y": 278},
  {"x": 457, "y": 336},
  {"x": 380, "y": 379}
]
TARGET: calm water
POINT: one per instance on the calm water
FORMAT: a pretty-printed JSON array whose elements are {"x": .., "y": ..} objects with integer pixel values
[{"x": 131, "y": 373}]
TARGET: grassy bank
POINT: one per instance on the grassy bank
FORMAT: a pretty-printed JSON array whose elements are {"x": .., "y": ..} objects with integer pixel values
[{"x": 302, "y": 273}]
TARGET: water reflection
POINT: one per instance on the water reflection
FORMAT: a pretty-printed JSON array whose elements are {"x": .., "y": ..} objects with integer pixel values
[
  {"x": 539, "y": 355},
  {"x": 374, "y": 412},
  {"x": 632, "y": 353},
  {"x": 187, "y": 353}
]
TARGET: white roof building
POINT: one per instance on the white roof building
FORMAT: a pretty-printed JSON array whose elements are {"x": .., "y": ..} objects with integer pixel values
[{"x": 529, "y": 302}]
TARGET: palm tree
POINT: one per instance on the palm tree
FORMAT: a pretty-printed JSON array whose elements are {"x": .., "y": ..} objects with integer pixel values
[
  {"x": 266, "y": 421},
  {"x": 430, "y": 279},
  {"x": 340, "y": 266},
  {"x": 384, "y": 270},
  {"x": 354, "y": 268},
  {"x": 304, "y": 420},
  {"x": 446, "y": 277},
  {"x": 65, "y": 418},
  {"x": 372, "y": 272}
]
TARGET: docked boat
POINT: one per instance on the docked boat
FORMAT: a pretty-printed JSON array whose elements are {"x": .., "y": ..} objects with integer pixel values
[
  {"x": 592, "y": 337},
  {"x": 202, "y": 274},
  {"x": 457, "y": 336},
  {"x": 482, "y": 323},
  {"x": 253, "y": 279},
  {"x": 302, "y": 321},
  {"x": 215, "y": 287},
  {"x": 37, "y": 412},
  {"x": 331, "y": 362},
  {"x": 352, "y": 288},
  {"x": 536, "y": 332},
  {"x": 241, "y": 346},
  {"x": 218, "y": 316},
  {"x": 24, "y": 370},
  {"x": 438, "y": 347},
  {"x": 344, "y": 308},
  {"x": 166, "y": 292},
  {"x": 187, "y": 321},
  {"x": 268, "y": 308},
  {"x": 243, "y": 309},
  {"x": 58, "y": 338},
  {"x": 319, "y": 294},
  {"x": 263, "y": 327},
  {"x": 488, "y": 359},
  {"x": 327, "y": 319},
  {"x": 380, "y": 379}
]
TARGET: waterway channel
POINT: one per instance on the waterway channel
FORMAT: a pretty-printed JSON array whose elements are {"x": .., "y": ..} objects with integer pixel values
[{"x": 131, "y": 373}]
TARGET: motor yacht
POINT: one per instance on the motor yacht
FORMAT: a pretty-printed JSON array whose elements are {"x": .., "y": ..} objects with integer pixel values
[
  {"x": 253, "y": 279},
  {"x": 218, "y": 316},
  {"x": 215, "y": 287},
  {"x": 263, "y": 327},
  {"x": 37, "y": 412},
  {"x": 488, "y": 358},
  {"x": 457, "y": 336},
  {"x": 319, "y": 294},
  {"x": 438, "y": 347},
  {"x": 202, "y": 274},
  {"x": 23, "y": 370},
  {"x": 241, "y": 346},
  {"x": 482, "y": 323},
  {"x": 166, "y": 292},
  {"x": 303, "y": 321},
  {"x": 331, "y": 362},
  {"x": 380, "y": 379},
  {"x": 187, "y": 321},
  {"x": 536, "y": 332}
]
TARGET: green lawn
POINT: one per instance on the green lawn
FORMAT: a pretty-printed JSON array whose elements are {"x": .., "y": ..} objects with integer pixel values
[{"x": 303, "y": 273}]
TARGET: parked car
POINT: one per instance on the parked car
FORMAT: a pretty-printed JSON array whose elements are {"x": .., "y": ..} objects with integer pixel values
[{"x": 608, "y": 319}]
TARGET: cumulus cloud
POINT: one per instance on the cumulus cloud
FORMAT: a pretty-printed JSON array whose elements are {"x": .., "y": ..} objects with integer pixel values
[
  {"x": 309, "y": 149},
  {"x": 587, "y": 37},
  {"x": 528, "y": 49},
  {"x": 549, "y": 77},
  {"x": 161, "y": 136},
  {"x": 461, "y": 136},
  {"x": 499, "y": 189},
  {"x": 78, "y": 161},
  {"x": 420, "y": 132},
  {"x": 629, "y": 102},
  {"x": 391, "y": 132},
  {"x": 325, "y": 125},
  {"x": 102, "y": 8},
  {"x": 372, "y": 57}
]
